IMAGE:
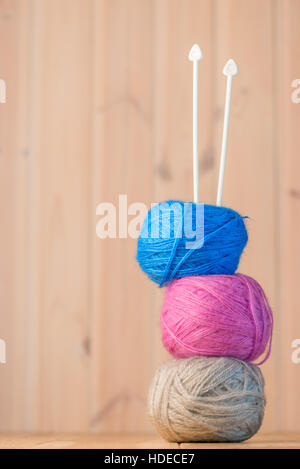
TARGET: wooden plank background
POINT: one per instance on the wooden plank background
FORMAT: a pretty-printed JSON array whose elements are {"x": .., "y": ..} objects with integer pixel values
[{"x": 99, "y": 104}]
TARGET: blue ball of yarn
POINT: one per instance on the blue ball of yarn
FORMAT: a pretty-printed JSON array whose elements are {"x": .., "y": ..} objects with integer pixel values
[{"x": 164, "y": 249}]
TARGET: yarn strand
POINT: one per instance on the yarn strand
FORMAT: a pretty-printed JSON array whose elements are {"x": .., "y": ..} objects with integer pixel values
[{"x": 217, "y": 315}]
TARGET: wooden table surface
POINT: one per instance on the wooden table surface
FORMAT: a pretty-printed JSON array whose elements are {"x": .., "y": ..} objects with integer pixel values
[{"x": 132, "y": 441}]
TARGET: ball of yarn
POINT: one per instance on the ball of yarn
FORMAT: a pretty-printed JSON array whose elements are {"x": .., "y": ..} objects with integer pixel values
[
  {"x": 217, "y": 315},
  {"x": 207, "y": 399},
  {"x": 163, "y": 249}
]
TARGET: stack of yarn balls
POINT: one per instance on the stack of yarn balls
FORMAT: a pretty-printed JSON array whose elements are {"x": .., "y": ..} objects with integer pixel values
[{"x": 216, "y": 324}]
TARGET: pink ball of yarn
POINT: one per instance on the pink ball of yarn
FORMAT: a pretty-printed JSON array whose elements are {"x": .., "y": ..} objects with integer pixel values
[{"x": 217, "y": 315}]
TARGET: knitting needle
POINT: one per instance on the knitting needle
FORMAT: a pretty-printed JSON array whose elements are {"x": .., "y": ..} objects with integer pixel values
[
  {"x": 230, "y": 69},
  {"x": 195, "y": 55}
]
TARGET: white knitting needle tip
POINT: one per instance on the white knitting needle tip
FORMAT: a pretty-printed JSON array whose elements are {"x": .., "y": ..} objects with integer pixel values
[
  {"x": 230, "y": 69},
  {"x": 195, "y": 55}
]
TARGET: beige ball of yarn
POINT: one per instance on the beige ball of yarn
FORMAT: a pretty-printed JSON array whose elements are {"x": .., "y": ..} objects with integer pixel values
[{"x": 207, "y": 399}]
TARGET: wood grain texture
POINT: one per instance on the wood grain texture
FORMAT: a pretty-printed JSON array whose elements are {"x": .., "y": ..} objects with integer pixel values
[
  {"x": 122, "y": 312},
  {"x": 83, "y": 441},
  {"x": 259, "y": 441},
  {"x": 250, "y": 165},
  {"x": 138, "y": 441},
  {"x": 59, "y": 204},
  {"x": 99, "y": 103},
  {"x": 178, "y": 25},
  {"x": 288, "y": 141},
  {"x": 14, "y": 184}
]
